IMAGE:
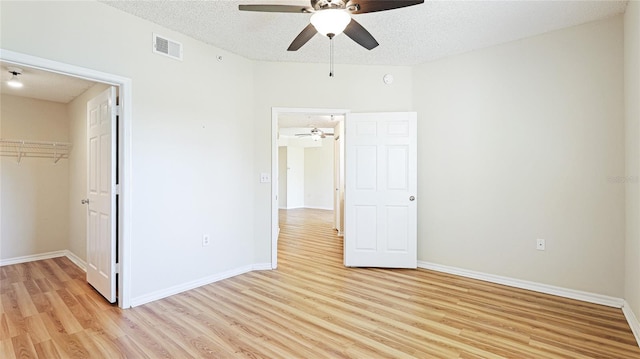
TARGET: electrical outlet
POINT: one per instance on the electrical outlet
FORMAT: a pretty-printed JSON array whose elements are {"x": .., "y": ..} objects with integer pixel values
[
  {"x": 540, "y": 244},
  {"x": 205, "y": 240}
]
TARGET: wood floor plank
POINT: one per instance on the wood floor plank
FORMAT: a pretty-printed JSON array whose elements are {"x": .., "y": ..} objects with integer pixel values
[
  {"x": 6, "y": 349},
  {"x": 37, "y": 329},
  {"x": 23, "y": 297},
  {"x": 129, "y": 348},
  {"x": 62, "y": 314},
  {"x": 310, "y": 307},
  {"x": 23, "y": 346},
  {"x": 47, "y": 349},
  {"x": 4, "y": 327}
]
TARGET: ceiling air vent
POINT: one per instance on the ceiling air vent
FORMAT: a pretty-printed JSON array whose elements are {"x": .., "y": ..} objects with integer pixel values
[{"x": 164, "y": 46}]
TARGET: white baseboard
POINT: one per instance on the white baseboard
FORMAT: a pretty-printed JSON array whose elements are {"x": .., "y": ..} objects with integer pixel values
[
  {"x": 324, "y": 208},
  {"x": 32, "y": 257},
  {"x": 75, "y": 259},
  {"x": 261, "y": 266},
  {"x": 632, "y": 320},
  {"x": 523, "y": 284},
  {"x": 48, "y": 255},
  {"x": 197, "y": 283}
]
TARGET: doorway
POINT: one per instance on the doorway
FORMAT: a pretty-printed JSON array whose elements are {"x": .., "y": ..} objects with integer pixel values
[
  {"x": 124, "y": 150},
  {"x": 303, "y": 123}
]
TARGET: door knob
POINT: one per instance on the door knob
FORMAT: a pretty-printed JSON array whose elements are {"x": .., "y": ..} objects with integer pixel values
[
  {"x": 85, "y": 201},
  {"x": 412, "y": 198}
]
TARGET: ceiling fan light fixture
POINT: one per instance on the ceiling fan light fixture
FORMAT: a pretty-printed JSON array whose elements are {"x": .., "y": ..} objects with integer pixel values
[
  {"x": 330, "y": 22},
  {"x": 14, "y": 81}
]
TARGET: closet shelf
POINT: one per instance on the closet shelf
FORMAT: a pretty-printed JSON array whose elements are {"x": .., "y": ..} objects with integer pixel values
[{"x": 42, "y": 149}]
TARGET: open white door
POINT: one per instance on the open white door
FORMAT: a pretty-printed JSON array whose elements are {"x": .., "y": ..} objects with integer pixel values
[
  {"x": 381, "y": 185},
  {"x": 101, "y": 187}
]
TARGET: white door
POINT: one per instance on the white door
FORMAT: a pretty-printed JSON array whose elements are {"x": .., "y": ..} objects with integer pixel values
[
  {"x": 381, "y": 185},
  {"x": 101, "y": 187}
]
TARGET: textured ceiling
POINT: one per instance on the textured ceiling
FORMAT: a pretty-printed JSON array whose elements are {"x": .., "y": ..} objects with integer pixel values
[{"x": 407, "y": 36}]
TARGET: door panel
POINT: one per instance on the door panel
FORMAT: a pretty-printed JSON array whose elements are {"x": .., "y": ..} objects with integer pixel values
[
  {"x": 101, "y": 181},
  {"x": 381, "y": 186}
]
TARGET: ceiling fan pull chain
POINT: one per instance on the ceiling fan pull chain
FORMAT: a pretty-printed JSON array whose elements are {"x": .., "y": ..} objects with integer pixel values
[{"x": 331, "y": 56}]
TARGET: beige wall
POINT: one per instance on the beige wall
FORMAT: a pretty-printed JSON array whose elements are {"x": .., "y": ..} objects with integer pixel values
[
  {"x": 34, "y": 192},
  {"x": 295, "y": 177},
  {"x": 282, "y": 177},
  {"x": 632, "y": 115},
  {"x": 318, "y": 175},
  {"x": 524, "y": 141}
]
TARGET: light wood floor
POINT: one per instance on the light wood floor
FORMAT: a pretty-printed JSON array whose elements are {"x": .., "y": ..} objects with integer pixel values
[{"x": 311, "y": 307}]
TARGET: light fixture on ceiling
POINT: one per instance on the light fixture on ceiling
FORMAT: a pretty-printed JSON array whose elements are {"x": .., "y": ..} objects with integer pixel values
[
  {"x": 14, "y": 81},
  {"x": 332, "y": 17},
  {"x": 316, "y": 135},
  {"x": 330, "y": 22}
]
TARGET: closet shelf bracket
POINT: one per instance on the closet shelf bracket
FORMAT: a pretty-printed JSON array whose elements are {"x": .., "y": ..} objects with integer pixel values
[{"x": 40, "y": 149}]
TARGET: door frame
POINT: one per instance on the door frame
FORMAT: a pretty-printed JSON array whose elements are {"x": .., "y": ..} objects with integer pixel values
[
  {"x": 124, "y": 147},
  {"x": 275, "y": 113}
]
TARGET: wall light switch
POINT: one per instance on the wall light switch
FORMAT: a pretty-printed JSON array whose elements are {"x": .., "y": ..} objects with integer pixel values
[{"x": 265, "y": 177}]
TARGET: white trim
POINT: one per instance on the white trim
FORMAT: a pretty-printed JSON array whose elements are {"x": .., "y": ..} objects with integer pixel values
[
  {"x": 163, "y": 293},
  {"x": 261, "y": 266},
  {"x": 523, "y": 284},
  {"x": 632, "y": 320},
  {"x": 275, "y": 203},
  {"x": 32, "y": 258},
  {"x": 125, "y": 92},
  {"x": 323, "y": 208},
  {"x": 76, "y": 260},
  {"x": 42, "y": 256}
]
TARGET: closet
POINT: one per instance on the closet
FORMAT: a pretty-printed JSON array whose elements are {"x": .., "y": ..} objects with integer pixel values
[{"x": 43, "y": 167}]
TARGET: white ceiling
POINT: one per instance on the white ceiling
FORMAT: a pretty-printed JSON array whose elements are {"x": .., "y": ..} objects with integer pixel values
[
  {"x": 309, "y": 121},
  {"x": 407, "y": 36},
  {"x": 43, "y": 85},
  {"x": 296, "y": 131}
]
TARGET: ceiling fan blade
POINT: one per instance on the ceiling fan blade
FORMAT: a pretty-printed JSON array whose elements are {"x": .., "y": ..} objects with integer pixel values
[
  {"x": 302, "y": 38},
  {"x": 360, "y": 35},
  {"x": 365, "y": 6},
  {"x": 275, "y": 8}
]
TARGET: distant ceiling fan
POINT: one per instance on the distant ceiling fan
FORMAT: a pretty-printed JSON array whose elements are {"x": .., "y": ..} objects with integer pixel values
[
  {"x": 315, "y": 133},
  {"x": 332, "y": 17}
]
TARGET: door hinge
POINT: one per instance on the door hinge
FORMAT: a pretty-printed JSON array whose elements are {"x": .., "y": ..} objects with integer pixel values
[
  {"x": 116, "y": 109},
  {"x": 117, "y": 189},
  {"x": 118, "y": 268}
]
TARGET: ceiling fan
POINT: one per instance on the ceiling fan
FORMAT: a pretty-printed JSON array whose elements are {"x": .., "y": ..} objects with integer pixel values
[
  {"x": 315, "y": 133},
  {"x": 332, "y": 17}
]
